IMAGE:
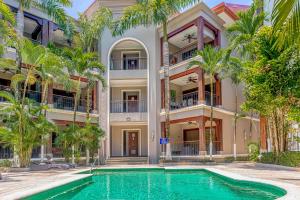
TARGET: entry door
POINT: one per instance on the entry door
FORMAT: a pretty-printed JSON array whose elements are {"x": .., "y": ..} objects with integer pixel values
[
  {"x": 133, "y": 143},
  {"x": 133, "y": 103}
]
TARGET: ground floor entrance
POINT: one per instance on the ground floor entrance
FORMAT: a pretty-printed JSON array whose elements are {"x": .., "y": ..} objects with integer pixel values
[
  {"x": 131, "y": 143},
  {"x": 128, "y": 141}
]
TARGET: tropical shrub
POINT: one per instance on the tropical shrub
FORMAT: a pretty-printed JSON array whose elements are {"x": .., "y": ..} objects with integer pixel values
[
  {"x": 291, "y": 159},
  {"x": 253, "y": 149}
]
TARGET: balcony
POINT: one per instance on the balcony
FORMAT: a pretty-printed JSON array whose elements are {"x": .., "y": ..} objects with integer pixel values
[
  {"x": 128, "y": 64},
  {"x": 31, "y": 94},
  {"x": 133, "y": 63},
  {"x": 59, "y": 101},
  {"x": 128, "y": 111},
  {"x": 67, "y": 103},
  {"x": 191, "y": 99},
  {"x": 128, "y": 106}
]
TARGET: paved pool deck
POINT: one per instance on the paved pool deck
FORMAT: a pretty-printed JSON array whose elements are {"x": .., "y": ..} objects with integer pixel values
[{"x": 17, "y": 185}]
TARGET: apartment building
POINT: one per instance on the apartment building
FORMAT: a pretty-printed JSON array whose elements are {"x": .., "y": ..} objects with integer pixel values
[
  {"x": 40, "y": 29},
  {"x": 132, "y": 107}
]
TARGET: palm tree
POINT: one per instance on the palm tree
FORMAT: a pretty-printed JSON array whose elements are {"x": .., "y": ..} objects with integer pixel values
[
  {"x": 22, "y": 126},
  {"x": 53, "y": 8},
  {"x": 154, "y": 12},
  {"x": 241, "y": 33},
  {"x": 285, "y": 18},
  {"x": 7, "y": 21},
  {"x": 212, "y": 63},
  {"x": 234, "y": 71},
  {"x": 91, "y": 31}
]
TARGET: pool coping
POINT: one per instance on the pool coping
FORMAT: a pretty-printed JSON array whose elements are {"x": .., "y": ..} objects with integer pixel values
[
  {"x": 293, "y": 191},
  {"x": 73, "y": 176}
]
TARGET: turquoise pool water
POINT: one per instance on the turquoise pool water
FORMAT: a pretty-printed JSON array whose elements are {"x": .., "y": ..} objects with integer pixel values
[{"x": 159, "y": 184}]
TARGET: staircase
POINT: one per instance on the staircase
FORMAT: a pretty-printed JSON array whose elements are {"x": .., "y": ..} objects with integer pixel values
[{"x": 127, "y": 160}]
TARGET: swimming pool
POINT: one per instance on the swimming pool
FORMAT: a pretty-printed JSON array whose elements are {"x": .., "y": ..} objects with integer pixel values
[{"x": 159, "y": 184}]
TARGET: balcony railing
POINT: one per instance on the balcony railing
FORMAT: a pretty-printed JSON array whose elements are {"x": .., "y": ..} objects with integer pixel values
[
  {"x": 68, "y": 103},
  {"x": 191, "y": 148},
  {"x": 185, "y": 148},
  {"x": 5, "y": 152},
  {"x": 128, "y": 106},
  {"x": 128, "y": 64},
  {"x": 31, "y": 94},
  {"x": 183, "y": 54},
  {"x": 191, "y": 99}
]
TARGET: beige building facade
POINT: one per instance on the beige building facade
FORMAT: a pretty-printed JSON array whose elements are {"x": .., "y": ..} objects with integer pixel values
[{"x": 132, "y": 108}]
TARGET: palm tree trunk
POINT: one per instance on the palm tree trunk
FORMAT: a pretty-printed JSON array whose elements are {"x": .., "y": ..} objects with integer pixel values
[
  {"x": 20, "y": 31},
  {"x": 166, "y": 63},
  {"x": 211, "y": 116},
  {"x": 76, "y": 97},
  {"x": 235, "y": 123},
  {"x": 88, "y": 121},
  {"x": 88, "y": 104}
]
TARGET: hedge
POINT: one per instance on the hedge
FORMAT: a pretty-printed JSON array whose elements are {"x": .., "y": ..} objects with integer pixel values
[{"x": 291, "y": 159}]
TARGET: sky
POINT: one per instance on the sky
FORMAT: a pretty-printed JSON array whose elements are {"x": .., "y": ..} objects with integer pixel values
[{"x": 82, "y": 5}]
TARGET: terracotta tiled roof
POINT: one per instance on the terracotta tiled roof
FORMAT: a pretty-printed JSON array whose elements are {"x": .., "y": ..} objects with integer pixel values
[
  {"x": 230, "y": 9},
  {"x": 237, "y": 7}
]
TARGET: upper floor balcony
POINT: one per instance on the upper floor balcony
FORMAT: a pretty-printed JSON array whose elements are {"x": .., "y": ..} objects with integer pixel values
[
  {"x": 128, "y": 61},
  {"x": 190, "y": 89},
  {"x": 186, "y": 40},
  {"x": 128, "y": 104}
]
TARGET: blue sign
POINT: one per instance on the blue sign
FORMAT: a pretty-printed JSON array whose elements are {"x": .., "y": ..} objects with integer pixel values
[{"x": 164, "y": 140}]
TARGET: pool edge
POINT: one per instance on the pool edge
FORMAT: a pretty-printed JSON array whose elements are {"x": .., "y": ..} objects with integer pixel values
[{"x": 293, "y": 191}]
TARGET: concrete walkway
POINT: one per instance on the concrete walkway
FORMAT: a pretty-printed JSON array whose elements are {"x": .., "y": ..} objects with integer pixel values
[
  {"x": 19, "y": 184},
  {"x": 263, "y": 171}
]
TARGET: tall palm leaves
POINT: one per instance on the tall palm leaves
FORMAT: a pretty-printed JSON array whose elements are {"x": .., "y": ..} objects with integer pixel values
[
  {"x": 286, "y": 20},
  {"x": 84, "y": 65},
  {"x": 91, "y": 29},
  {"x": 154, "y": 12},
  {"x": 54, "y": 8},
  {"x": 243, "y": 30},
  {"x": 7, "y": 21},
  {"x": 212, "y": 62}
]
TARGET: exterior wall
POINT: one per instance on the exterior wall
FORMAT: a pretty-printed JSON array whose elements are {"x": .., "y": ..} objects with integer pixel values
[
  {"x": 148, "y": 38},
  {"x": 244, "y": 135},
  {"x": 116, "y": 136}
]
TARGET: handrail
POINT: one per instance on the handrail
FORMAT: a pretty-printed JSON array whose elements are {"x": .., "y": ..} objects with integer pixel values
[
  {"x": 134, "y": 63},
  {"x": 128, "y": 106},
  {"x": 93, "y": 164}
]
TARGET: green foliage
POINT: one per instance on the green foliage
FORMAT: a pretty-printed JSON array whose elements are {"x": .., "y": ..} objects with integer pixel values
[
  {"x": 22, "y": 126},
  {"x": 271, "y": 81},
  {"x": 253, "y": 149},
  {"x": 291, "y": 159},
  {"x": 91, "y": 29},
  {"x": 286, "y": 21},
  {"x": 79, "y": 137},
  {"x": 242, "y": 32},
  {"x": 5, "y": 163},
  {"x": 146, "y": 13}
]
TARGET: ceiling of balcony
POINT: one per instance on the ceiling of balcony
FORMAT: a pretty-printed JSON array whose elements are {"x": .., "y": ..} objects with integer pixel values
[
  {"x": 181, "y": 40},
  {"x": 128, "y": 44},
  {"x": 191, "y": 79}
]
